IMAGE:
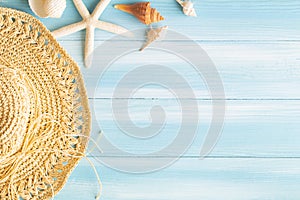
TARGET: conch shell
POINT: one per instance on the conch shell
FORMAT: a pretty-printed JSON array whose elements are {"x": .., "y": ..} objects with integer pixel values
[
  {"x": 48, "y": 8},
  {"x": 188, "y": 7},
  {"x": 152, "y": 35},
  {"x": 142, "y": 11}
]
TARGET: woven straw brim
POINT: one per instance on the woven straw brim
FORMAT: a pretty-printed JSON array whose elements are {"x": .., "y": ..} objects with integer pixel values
[{"x": 44, "y": 112}]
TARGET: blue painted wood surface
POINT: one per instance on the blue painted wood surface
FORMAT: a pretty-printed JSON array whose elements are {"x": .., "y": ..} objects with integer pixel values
[{"x": 255, "y": 47}]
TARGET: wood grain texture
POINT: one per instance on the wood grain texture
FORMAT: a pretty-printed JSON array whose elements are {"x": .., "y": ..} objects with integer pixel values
[
  {"x": 255, "y": 128},
  {"x": 248, "y": 70},
  {"x": 213, "y": 179},
  {"x": 255, "y": 46},
  {"x": 217, "y": 20}
]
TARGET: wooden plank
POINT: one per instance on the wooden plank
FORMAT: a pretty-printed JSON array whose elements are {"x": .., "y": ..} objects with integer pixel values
[
  {"x": 193, "y": 179},
  {"x": 217, "y": 20},
  {"x": 255, "y": 46},
  {"x": 248, "y": 70},
  {"x": 251, "y": 129}
]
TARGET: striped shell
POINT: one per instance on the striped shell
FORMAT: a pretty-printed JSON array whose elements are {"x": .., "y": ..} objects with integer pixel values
[{"x": 48, "y": 8}]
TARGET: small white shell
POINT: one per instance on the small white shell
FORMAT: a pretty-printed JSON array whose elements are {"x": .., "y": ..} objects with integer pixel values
[
  {"x": 188, "y": 7},
  {"x": 48, "y": 8},
  {"x": 154, "y": 34}
]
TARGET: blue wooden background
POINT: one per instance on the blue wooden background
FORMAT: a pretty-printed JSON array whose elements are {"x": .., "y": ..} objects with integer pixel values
[{"x": 255, "y": 46}]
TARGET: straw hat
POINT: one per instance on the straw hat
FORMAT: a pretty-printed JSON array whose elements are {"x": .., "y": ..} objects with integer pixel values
[{"x": 44, "y": 113}]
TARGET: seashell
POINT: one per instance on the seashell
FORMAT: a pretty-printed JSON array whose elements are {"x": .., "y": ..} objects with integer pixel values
[
  {"x": 152, "y": 35},
  {"x": 48, "y": 8},
  {"x": 188, "y": 7},
  {"x": 142, "y": 11}
]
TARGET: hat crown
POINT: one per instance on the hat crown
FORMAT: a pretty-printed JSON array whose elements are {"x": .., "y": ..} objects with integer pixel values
[{"x": 14, "y": 110}]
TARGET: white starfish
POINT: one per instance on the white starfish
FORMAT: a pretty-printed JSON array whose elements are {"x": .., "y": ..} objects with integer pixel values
[{"x": 89, "y": 22}]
